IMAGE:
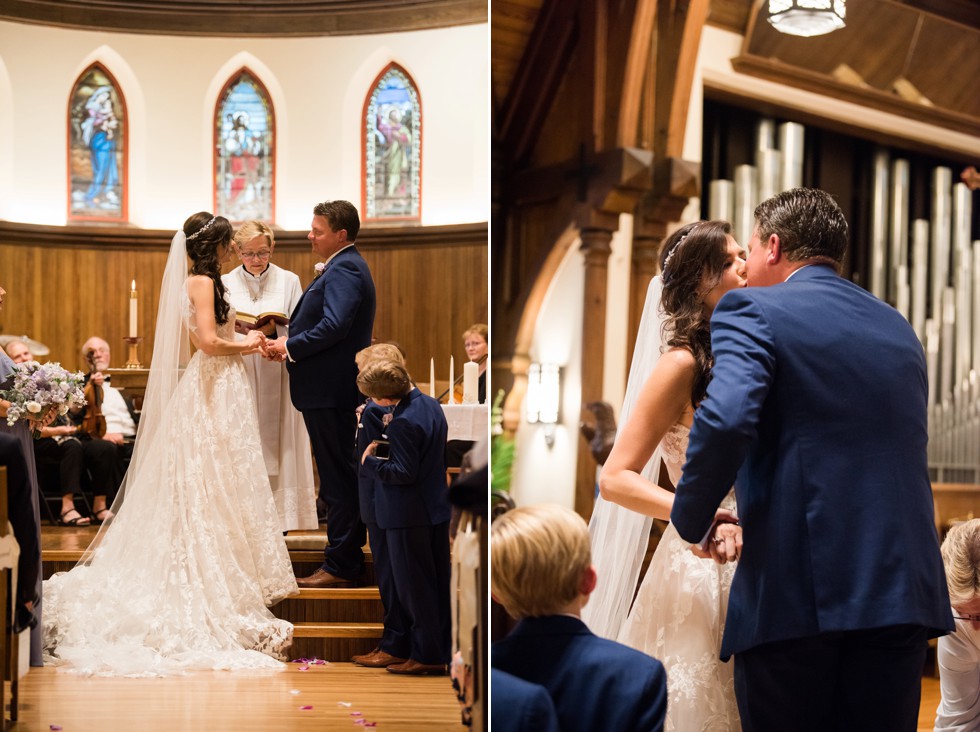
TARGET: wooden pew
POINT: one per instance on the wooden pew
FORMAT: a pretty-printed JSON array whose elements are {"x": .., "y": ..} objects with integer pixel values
[{"x": 954, "y": 501}]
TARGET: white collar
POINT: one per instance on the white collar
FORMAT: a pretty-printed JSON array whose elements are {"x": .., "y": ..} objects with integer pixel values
[{"x": 338, "y": 252}]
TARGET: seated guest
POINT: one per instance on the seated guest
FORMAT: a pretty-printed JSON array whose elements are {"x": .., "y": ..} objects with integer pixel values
[
  {"x": 20, "y": 512},
  {"x": 542, "y": 573},
  {"x": 394, "y": 646},
  {"x": 958, "y": 654},
  {"x": 120, "y": 420},
  {"x": 477, "y": 349},
  {"x": 61, "y": 458},
  {"x": 520, "y": 706},
  {"x": 412, "y": 510}
]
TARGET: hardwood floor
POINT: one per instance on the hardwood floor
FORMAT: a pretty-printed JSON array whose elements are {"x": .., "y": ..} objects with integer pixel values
[
  {"x": 928, "y": 704},
  {"x": 339, "y": 694}
]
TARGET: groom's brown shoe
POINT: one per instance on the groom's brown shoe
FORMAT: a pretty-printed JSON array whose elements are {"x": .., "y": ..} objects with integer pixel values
[
  {"x": 414, "y": 668},
  {"x": 322, "y": 579},
  {"x": 377, "y": 659}
]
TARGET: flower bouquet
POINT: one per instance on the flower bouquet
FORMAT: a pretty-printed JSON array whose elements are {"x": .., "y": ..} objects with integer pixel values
[{"x": 40, "y": 389}]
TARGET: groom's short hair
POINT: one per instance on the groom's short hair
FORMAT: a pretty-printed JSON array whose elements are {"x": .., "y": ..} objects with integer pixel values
[
  {"x": 340, "y": 215},
  {"x": 538, "y": 555},
  {"x": 808, "y": 222}
]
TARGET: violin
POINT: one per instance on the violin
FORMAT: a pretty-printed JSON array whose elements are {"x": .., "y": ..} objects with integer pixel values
[{"x": 93, "y": 423}]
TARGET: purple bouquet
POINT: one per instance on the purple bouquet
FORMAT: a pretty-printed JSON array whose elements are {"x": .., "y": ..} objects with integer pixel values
[{"x": 40, "y": 389}]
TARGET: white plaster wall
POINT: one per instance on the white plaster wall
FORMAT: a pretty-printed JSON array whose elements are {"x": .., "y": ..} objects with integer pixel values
[
  {"x": 318, "y": 87},
  {"x": 543, "y": 474},
  {"x": 618, "y": 336}
]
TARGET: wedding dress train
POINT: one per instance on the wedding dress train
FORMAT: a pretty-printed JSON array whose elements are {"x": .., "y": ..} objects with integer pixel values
[
  {"x": 183, "y": 577},
  {"x": 678, "y": 617}
]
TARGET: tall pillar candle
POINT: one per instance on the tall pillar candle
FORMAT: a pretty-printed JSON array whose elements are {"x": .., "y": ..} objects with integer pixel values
[
  {"x": 432, "y": 378},
  {"x": 132, "y": 311},
  {"x": 452, "y": 379},
  {"x": 471, "y": 377}
]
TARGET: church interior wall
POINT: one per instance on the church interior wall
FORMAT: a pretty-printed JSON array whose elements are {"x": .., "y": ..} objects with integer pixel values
[{"x": 323, "y": 83}]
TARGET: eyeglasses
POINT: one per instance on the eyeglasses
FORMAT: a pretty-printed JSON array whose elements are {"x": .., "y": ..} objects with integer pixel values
[
  {"x": 264, "y": 254},
  {"x": 971, "y": 618}
]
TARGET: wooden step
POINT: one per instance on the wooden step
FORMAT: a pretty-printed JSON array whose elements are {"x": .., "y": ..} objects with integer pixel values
[{"x": 313, "y": 629}]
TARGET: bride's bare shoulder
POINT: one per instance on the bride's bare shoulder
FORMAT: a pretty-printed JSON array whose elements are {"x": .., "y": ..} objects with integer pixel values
[{"x": 679, "y": 358}]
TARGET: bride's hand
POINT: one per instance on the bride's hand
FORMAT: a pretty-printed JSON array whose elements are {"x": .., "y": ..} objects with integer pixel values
[
  {"x": 254, "y": 342},
  {"x": 726, "y": 545}
]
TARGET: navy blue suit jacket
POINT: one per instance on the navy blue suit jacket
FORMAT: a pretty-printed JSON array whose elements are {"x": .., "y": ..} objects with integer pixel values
[
  {"x": 520, "y": 706},
  {"x": 412, "y": 491},
  {"x": 369, "y": 428},
  {"x": 595, "y": 683},
  {"x": 818, "y": 403},
  {"x": 331, "y": 322}
]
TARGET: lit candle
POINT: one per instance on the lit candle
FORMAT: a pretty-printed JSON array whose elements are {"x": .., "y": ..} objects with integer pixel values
[
  {"x": 471, "y": 375},
  {"x": 432, "y": 378},
  {"x": 132, "y": 311},
  {"x": 452, "y": 379}
]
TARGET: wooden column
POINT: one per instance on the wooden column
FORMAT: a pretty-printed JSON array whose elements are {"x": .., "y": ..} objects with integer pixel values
[{"x": 596, "y": 246}]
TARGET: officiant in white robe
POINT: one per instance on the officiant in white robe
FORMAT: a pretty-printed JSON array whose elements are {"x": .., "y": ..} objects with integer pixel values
[{"x": 256, "y": 288}]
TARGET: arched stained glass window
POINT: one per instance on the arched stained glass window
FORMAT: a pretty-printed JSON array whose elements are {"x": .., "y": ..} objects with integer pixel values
[
  {"x": 392, "y": 147},
  {"x": 97, "y": 148},
  {"x": 244, "y": 150}
]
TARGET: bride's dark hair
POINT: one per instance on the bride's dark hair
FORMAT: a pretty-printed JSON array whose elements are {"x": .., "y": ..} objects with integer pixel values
[
  {"x": 205, "y": 233},
  {"x": 692, "y": 260}
]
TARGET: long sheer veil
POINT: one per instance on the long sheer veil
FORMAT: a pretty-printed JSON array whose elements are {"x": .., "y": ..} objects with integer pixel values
[
  {"x": 171, "y": 351},
  {"x": 620, "y": 536}
]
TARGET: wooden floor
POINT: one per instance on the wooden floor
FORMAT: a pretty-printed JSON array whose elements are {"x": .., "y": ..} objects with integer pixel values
[
  {"x": 928, "y": 704},
  {"x": 339, "y": 694}
]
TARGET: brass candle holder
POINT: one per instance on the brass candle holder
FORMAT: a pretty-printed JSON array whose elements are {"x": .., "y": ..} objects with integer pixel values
[{"x": 134, "y": 360}]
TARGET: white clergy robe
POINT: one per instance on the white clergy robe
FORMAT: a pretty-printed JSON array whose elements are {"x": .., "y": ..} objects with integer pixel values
[{"x": 285, "y": 441}]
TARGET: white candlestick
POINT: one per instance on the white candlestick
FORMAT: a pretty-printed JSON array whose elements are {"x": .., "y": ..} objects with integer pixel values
[
  {"x": 452, "y": 378},
  {"x": 432, "y": 378},
  {"x": 132, "y": 311},
  {"x": 471, "y": 374}
]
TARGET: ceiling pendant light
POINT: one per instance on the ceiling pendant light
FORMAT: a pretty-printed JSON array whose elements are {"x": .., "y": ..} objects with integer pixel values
[{"x": 806, "y": 17}]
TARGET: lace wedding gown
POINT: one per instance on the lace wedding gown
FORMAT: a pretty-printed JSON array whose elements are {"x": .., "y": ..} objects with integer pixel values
[
  {"x": 678, "y": 617},
  {"x": 184, "y": 574}
]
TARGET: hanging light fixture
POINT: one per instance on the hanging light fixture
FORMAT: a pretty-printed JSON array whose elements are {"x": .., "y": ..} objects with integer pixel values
[{"x": 806, "y": 17}]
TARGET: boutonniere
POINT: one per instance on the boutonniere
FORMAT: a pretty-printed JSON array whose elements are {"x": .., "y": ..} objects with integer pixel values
[
  {"x": 318, "y": 268},
  {"x": 386, "y": 419}
]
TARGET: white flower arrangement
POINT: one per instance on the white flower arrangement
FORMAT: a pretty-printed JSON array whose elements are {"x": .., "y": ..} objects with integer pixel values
[{"x": 39, "y": 389}]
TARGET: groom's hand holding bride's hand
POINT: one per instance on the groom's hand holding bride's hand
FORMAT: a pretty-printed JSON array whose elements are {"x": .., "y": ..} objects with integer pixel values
[
  {"x": 724, "y": 540},
  {"x": 275, "y": 350}
]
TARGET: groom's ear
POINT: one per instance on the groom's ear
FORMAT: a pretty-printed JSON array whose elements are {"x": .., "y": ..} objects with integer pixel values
[{"x": 774, "y": 249}]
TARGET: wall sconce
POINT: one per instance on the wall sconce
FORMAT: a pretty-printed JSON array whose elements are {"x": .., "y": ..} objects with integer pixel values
[
  {"x": 543, "y": 397},
  {"x": 806, "y": 17}
]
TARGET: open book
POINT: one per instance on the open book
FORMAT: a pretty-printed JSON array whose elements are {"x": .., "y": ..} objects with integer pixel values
[{"x": 265, "y": 322}]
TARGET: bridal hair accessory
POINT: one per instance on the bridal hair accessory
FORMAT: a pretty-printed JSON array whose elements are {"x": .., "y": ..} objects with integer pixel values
[
  {"x": 202, "y": 229},
  {"x": 670, "y": 255}
]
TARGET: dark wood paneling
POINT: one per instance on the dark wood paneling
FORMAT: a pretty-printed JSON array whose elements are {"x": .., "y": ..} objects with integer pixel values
[{"x": 66, "y": 284}]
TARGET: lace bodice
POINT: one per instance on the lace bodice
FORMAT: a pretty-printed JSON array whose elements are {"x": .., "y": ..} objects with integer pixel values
[
  {"x": 674, "y": 447},
  {"x": 226, "y": 331}
]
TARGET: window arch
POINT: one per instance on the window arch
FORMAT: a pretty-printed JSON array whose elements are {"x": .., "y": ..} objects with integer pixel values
[
  {"x": 392, "y": 122},
  {"x": 244, "y": 150},
  {"x": 98, "y": 135}
]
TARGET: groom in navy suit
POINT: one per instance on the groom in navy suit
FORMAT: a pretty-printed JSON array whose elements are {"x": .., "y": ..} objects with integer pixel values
[
  {"x": 816, "y": 411},
  {"x": 332, "y": 321}
]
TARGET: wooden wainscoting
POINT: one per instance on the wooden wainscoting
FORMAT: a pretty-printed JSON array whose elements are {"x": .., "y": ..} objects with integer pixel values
[{"x": 65, "y": 284}]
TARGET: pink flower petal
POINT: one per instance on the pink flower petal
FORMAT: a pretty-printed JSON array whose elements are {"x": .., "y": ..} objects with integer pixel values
[
  {"x": 357, "y": 714},
  {"x": 55, "y": 727},
  {"x": 345, "y": 704},
  {"x": 306, "y": 708},
  {"x": 304, "y": 668}
]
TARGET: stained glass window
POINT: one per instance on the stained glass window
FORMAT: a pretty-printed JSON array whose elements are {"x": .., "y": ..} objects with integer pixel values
[
  {"x": 392, "y": 147},
  {"x": 97, "y": 135},
  {"x": 244, "y": 157}
]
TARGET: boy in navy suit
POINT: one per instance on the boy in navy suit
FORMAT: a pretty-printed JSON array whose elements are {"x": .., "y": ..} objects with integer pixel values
[
  {"x": 411, "y": 507},
  {"x": 542, "y": 573}
]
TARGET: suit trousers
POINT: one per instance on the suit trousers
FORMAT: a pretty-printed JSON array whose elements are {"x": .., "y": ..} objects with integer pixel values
[
  {"x": 332, "y": 435},
  {"x": 396, "y": 639},
  {"x": 421, "y": 568},
  {"x": 851, "y": 680}
]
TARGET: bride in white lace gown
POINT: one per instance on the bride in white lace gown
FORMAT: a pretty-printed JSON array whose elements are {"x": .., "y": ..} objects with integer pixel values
[
  {"x": 182, "y": 577},
  {"x": 678, "y": 615}
]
